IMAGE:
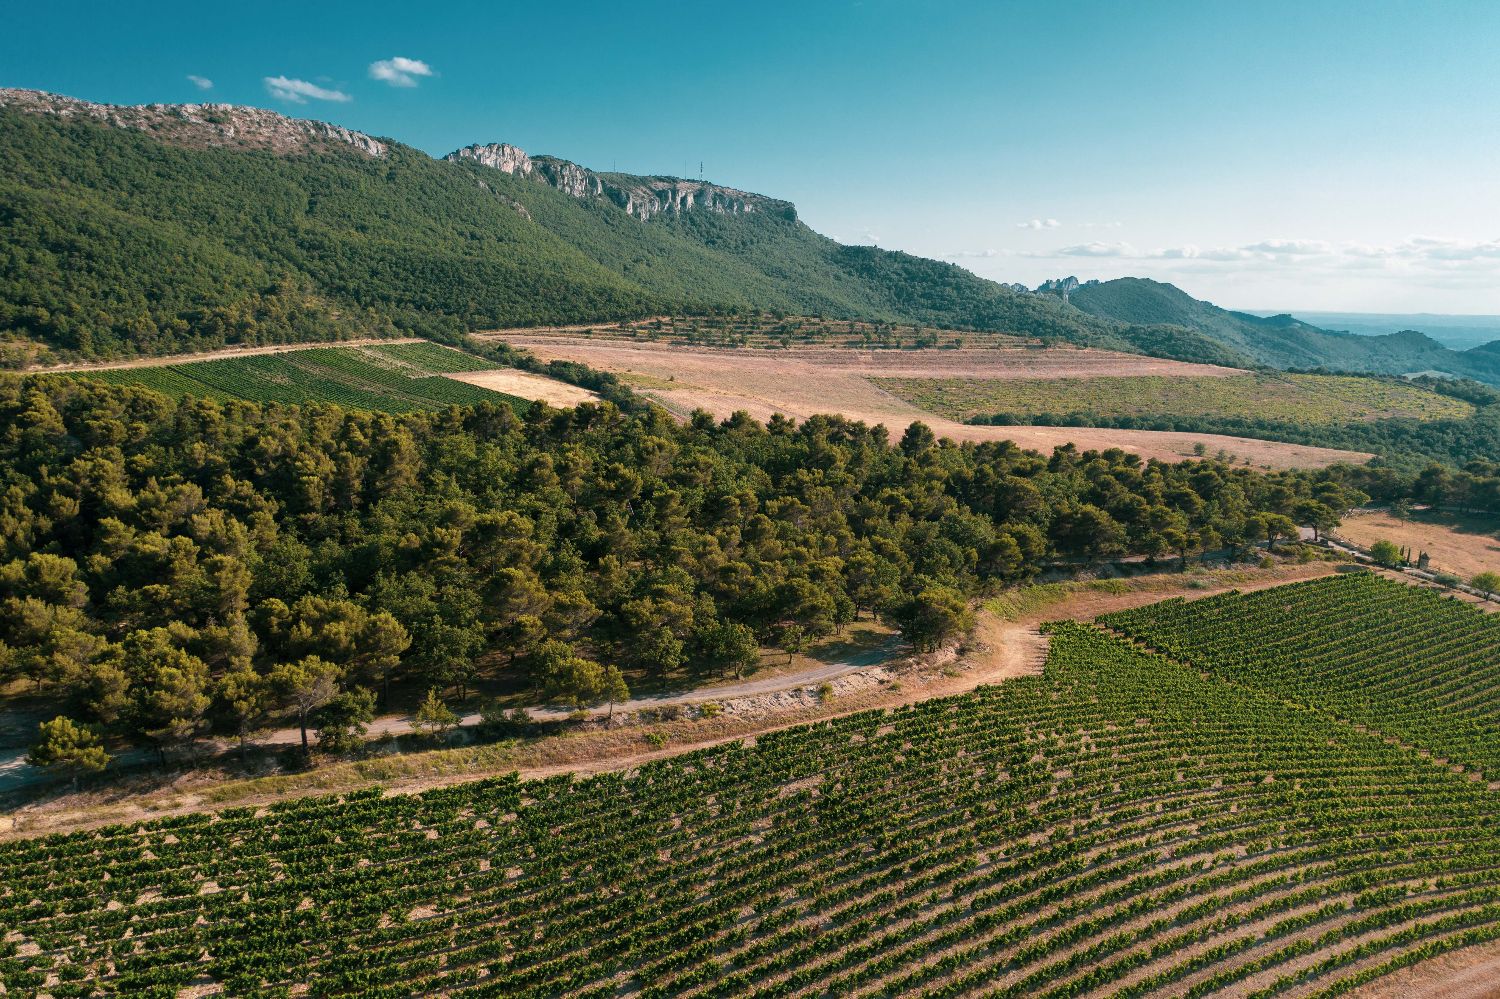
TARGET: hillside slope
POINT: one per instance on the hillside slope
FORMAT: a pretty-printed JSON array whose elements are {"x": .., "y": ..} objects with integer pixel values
[
  {"x": 1280, "y": 341},
  {"x": 161, "y": 228}
]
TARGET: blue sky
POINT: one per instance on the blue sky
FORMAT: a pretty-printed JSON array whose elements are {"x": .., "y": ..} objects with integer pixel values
[{"x": 1315, "y": 155}]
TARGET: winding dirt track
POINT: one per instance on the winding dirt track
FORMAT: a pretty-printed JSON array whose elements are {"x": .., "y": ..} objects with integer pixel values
[{"x": 802, "y": 383}]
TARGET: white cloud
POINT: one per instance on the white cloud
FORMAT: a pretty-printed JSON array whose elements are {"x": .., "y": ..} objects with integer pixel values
[
  {"x": 1039, "y": 224},
  {"x": 399, "y": 71},
  {"x": 201, "y": 82},
  {"x": 298, "y": 91},
  {"x": 1098, "y": 249},
  {"x": 1289, "y": 247},
  {"x": 1372, "y": 275}
]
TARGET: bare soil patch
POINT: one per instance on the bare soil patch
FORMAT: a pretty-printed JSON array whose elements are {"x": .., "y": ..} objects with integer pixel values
[
  {"x": 1003, "y": 650},
  {"x": 1463, "y": 544},
  {"x": 803, "y": 383},
  {"x": 525, "y": 385},
  {"x": 1087, "y": 599},
  {"x": 1471, "y": 973}
]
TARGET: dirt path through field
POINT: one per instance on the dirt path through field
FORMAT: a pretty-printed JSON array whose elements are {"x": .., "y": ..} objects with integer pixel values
[
  {"x": 802, "y": 383},
  {"x": 16, "y": 773},
  {"x": 219, "y": 355}
]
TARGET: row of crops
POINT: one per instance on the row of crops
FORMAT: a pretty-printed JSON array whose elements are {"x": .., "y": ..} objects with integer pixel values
[
  {"x": 393, "y": 378},
  {"x": 1121, "y": 825},
  {"x": 1414, "y": 664}
]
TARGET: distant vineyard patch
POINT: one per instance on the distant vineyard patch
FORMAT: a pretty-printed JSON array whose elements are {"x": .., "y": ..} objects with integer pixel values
[{"x": 392, "y": 378}]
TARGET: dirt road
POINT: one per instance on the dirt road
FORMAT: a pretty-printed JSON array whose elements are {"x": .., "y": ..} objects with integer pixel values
[{"x": 16, "y": 773}]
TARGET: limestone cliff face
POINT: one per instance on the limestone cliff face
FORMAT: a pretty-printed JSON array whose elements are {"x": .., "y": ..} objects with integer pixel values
[
  {"x": 202, "y": 125},
  {"x": 643, "y": 197},
  {"x": 1062, "y": 288},
  {"x": 500, "y": 156}
]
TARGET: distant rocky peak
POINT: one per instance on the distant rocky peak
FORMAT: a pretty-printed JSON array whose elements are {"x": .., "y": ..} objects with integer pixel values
[
  {"x": 642, "y": 197},
  {"x": 201, "y": 125},
  {"x": 1063, "y": 287},
  {"x": 500, "y": 156}
]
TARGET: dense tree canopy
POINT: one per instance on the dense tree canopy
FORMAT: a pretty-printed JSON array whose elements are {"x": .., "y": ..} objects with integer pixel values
[{"x": 172, "y": 567}]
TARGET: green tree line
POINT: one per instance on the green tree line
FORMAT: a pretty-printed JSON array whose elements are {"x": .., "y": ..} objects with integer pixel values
[{"x": 170, "y": 568}]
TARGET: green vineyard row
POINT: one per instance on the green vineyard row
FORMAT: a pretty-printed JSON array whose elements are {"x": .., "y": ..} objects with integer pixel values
[
  {"x": 392, "y": 378},
  {"x": 1412, "y": 664},
  {"x": 1120, "y": 825}
]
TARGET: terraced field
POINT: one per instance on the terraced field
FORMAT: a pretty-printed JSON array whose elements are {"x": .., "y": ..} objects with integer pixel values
[
  {"x": 1120, "y": 825},
  {"x": 1409, "y": 663},
  {"x": 1316, "y": 399},
  {"x": 393, "y": 378}
]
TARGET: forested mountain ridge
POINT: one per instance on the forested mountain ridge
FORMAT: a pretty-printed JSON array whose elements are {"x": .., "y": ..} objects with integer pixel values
[
  {"x": 162, "y": 228},
  {"x": 1280, "y": 341},
  {"x": 157, "y": 229}
]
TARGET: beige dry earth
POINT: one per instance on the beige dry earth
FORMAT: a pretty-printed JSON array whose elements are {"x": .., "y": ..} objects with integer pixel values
[
  {"x": 525, "y": 385},
  {"x": 1461, "y": 544},
  {"x": 802, "y": 383},
  {"x": 1471, "y": 973}
]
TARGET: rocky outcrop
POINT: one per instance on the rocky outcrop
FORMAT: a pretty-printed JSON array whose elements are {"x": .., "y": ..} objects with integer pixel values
[
  {"x": 203, "y": 125},
  {"x": 1063, "y": 288},
  {"x": 643, "y": 197},
  {"x": 500, "y": 156},
  {"x": 569, "y": 178}
]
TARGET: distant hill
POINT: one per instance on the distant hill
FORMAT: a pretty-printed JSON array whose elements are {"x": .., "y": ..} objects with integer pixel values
[
  {"x": 1280, "y": 341},
  {"x": 162, "y": 228},
  {"x": 1456, "y": 332}
]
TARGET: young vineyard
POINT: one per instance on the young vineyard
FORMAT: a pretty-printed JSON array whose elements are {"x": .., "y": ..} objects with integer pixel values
[
  {"x": 391, "y": 378},
  {"x": 1122, "y": 825},
  {"x": 1410, "y": 664}
]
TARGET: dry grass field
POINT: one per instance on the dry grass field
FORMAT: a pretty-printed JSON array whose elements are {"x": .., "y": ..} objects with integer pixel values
[
  {"x": 803, "y": 382},
  {"x": 525, "y": 385},
  {"x": 1458, "y": 543},
  {"x": 1303, "y": 399}
]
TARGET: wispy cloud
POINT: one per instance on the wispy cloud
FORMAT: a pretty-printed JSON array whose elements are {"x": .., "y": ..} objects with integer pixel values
[
  {"x": 298, "y": 91},
  {"x": 1097, "y": 249},
  {"x": 399, "y": 71},
  {"x": 1414, "y": 251},
  {"x": 1038, "y": 224},
  {"x": 201, "y": 82}
]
